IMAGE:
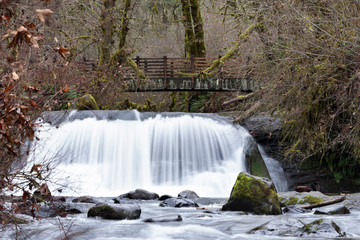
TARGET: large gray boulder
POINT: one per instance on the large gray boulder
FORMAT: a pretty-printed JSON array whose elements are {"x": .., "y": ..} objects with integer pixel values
[
  {"x": 178, "y": 203},
  {"x": 118, "y": 212},
  {"x": 188, "y": 194},
  {"x": 253, "y": 194},
  {"x": 140, "y": 194}
]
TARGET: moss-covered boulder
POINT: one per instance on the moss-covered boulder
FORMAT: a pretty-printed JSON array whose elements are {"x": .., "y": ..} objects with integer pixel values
[
  {"x": 118, "y": 212},
  {"x": 253, "y": 194},
  {"x": 87, "y": 102},
  {"x": 255, "y": 164}
]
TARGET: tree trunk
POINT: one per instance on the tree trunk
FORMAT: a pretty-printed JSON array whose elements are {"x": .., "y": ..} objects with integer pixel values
[
  {"x": 107, "y": 29},
  {"x": 194, "y": 32},
  {"x": 121, "y": 55}
]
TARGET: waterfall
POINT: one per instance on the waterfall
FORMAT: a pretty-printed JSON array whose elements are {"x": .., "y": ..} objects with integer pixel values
[{"x": 107, "y": 153}]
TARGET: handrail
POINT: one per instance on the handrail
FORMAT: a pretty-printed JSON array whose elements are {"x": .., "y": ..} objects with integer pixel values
[{"x": 169, "y": 68}]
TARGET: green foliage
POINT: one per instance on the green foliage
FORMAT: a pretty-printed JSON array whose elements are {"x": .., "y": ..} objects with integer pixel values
[
  {"x": 197, "y": 102},
  {"x": 66, "y": 100}
]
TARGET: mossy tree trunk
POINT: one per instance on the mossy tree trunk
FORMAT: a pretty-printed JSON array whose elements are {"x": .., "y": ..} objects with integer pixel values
[
  {"x": 194, "y": 32},
  {"x": 121, "y": 54},
  {"x": 107, "y": 29}
]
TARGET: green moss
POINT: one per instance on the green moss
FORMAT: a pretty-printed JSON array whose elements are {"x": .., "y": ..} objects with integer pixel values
[
  {"x": 87, "y": 102},
  {"x": 312, "y": 227},
  {"x": 139, "y": 73},
  {"x": 291, "y": 201},
  {"x": 312, "y": 199},
  {"x": 257, "y": 192}
]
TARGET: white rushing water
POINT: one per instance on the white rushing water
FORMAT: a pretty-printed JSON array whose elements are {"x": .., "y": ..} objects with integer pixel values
[{"x": 161, "y": 153}]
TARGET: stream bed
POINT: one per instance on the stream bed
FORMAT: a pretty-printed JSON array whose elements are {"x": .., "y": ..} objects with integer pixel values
[{"x": 204, "y": 222}]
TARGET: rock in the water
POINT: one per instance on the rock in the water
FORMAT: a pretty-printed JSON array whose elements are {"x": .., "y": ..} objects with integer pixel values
[
  {"x": 118, "y": 212},
  {"x": 169, "y": 218},
  {"x": 48, "y": 210},
  {"x": 254, "y": 161},
  {"x": 87, "y": 102},
  {"x": 178, "y": 203},
  {"x": 84, "y": 199},
  {"x": 291, "y": 227},
  {"x": 333, "y": 211},
  {"x": 73, "y": 211},
  {"x": 188, "y": 194},
  {"x": 164, "y": 197},
  {"x": 294, "y": 210},
  {"x": 253, "y": 194},
  {"x": 140, "y": 194},
  {"x": 59, "y": 199}
]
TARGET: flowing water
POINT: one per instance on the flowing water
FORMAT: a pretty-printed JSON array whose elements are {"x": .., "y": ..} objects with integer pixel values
[
  {"x": 105, "y": 153},
  {"x": 109, "y": 153}
]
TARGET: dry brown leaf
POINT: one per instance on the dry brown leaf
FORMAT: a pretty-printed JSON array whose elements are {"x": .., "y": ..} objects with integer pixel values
[
  {"x": 35, "y": 168},
  {"x": 22, "y": 29},
  {"x": 42, "y": 13},
  {"x": 34, "y": 43},
  {"x": 66, "y": 89},
  {"x": 9, "y": 88},
  {"x": 33, "y": 104},
  {"x": 62, "y": 51},
  {"x": 2, "y": 125},
  {"x": 25, "y": 196},
  {"x": 6, "y": 17},
  {"x": 14, "y": 76},
  {"x": 8, "y": 33},
  {"x": 30, "y": 25}
]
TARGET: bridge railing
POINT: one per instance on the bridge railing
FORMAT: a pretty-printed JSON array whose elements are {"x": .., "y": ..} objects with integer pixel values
[{"x": 165, "y": 69}]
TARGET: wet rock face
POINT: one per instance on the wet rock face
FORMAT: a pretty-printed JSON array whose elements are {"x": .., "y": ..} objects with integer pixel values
[
  {"x": 253, "y": 194},
  {"x": 255, "y": 163},
  {"x": 188, "y": 194},
  {"x": 178, "y": 203},
  {"x": 116, "y": 212},
  {"x": 264, "y": 128},
  {"x": 140, "y": 194}
]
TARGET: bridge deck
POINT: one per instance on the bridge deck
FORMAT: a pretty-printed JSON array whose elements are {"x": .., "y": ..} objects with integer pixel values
[{"x": 183, "y": 74}]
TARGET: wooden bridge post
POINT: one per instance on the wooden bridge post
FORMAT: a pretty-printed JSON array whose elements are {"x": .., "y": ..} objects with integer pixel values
[
  {"x": 165, "y": 71},
  {"x": 192, "y": 65},
  {"x": 220, "y": 75},
  {"x": 138, "y": 79}
]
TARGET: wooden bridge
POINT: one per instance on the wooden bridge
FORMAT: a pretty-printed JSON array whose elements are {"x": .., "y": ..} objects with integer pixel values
[{"x": 184, "y": 74}]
